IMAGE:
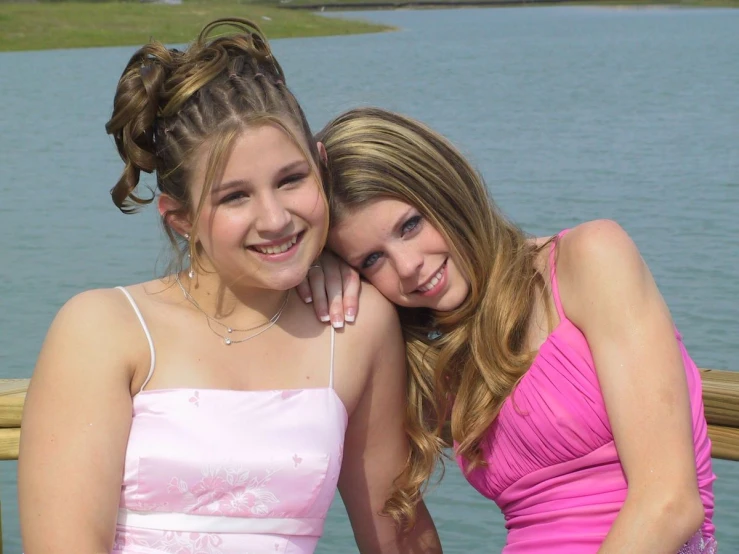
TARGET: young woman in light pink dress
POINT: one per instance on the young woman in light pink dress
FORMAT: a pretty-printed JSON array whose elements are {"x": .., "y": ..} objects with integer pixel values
[
  {"x": 574, "y": 404},
  {"x": 209, "y": 411}
]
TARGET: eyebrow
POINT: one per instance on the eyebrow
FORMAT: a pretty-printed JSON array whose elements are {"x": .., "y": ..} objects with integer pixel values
[
  {"x": 220, "y": 187},
  {"x": 356, "y": 261}
]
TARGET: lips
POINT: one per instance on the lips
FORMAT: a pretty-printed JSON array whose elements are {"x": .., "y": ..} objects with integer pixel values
[
  {"x": 434, "y": 280},
  {"x": 277, "y": 247}
]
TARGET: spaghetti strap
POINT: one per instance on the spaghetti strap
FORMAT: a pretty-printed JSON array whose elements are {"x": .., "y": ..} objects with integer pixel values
[
  {"x": 553, "y": 275},
  {"x": 146, "y": 332},
  {"x": 331, "y": 368}
]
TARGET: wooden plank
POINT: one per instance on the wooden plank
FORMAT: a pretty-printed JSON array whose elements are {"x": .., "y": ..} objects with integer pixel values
[
  {"x": 9, "y": 441},
  {"x": 12, "y": 397},
  {"x": 724, "y": 442},
  {"x": 11, "y": 410},
  {"x": 721, "y": 397},
  {"x": 13, "y": 386}
]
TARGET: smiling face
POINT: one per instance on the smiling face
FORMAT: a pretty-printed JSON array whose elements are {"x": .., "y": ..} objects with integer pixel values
[
  {"x": 401, "y": 254},
  {"x": 264, "y": 222}
]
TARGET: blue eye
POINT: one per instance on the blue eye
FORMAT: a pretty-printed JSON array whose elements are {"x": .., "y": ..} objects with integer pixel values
[
  {"x": 411, "y": 224},
  {"x": 370, "y": 260}
]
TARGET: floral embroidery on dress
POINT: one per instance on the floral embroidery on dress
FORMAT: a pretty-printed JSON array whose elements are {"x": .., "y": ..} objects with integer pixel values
[
  {"x": 195, "y": 398},
  {"x": 226, "y": 491},
  {"x": 698, "y": 544},
  {"x": 174, "y": 542},
  {"x": 289, "y": 393}
]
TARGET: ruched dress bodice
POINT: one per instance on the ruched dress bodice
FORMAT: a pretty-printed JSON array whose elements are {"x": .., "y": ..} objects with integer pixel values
[{"x": 552, "y": 465}]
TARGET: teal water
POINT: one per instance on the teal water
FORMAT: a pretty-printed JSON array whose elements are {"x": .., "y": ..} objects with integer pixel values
[{"x": 571, "y": 113}]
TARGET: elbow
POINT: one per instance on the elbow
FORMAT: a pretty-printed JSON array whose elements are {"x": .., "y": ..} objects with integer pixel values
[
  {"x": 693, "y": 513},
  {"x": 680, "y": 513}
]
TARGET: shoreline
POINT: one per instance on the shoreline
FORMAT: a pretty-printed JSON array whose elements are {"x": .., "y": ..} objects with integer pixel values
[
  {"x": 40, "y": 26},
  {"x": 383, "y": 5}
]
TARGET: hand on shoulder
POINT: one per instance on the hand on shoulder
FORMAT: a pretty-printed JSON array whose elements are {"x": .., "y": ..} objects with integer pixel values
[{"x": 376, "y": 315}]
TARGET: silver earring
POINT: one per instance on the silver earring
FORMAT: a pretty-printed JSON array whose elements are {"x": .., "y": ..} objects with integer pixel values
[
  {"x": 187, "y": 236},
  {"x": 191, "y": 271}
]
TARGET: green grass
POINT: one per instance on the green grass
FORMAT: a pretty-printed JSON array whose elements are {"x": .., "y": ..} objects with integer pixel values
[
  {"x": 41, "y": 26},
  {"x": 347, "y": 4},
  {"x": 34, "y": 25}
]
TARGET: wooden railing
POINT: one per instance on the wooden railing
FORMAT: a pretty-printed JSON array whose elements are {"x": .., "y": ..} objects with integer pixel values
[{"x": 720, "y": 397}]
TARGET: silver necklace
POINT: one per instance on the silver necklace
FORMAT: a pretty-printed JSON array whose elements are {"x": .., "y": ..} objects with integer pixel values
[
  {"x": 194, "y": 302},
  {"x": 228, "y": 341}
]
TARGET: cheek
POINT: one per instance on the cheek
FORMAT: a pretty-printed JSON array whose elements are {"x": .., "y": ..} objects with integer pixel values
[
  {"x": 386, "y": 282},
  {"x": 221, "y": 228},
  {"x": 433, "y": 239}
]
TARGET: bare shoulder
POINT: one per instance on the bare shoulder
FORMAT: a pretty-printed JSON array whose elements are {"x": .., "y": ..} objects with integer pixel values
[
  {"x": 376, "y": 317},
  {"x": 96, "y": 311},
  {"x": 97, "y": 325},
  {"x": 594, "y": 249},
  {"x": 595, "y": 260}
]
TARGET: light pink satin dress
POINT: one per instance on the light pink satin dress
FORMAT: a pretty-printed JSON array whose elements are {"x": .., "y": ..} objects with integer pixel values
[
  {"x": 552, "y": 465},
  {"x": 229, "y": 472}
]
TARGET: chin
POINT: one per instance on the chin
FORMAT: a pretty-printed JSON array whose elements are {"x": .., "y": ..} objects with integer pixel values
[
  {"x": 285, "y": 280},
  {"x": 451, "y": 301}
]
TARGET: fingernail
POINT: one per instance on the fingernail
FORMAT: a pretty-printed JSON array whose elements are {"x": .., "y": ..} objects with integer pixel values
[
  {"x": 308, "y": 300},
  {"x": 337, "y": 323},
  {"x": 349, "y": 315},
  {"x": 324, "y": 318}
]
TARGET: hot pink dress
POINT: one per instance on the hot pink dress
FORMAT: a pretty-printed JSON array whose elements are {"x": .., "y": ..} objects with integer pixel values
[
  {"x": 229, "y": 472},
  {"x": 552, "y": 465}
]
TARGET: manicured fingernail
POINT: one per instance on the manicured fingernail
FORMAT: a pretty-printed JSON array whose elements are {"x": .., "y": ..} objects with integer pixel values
[
  {"x": 308, "y": 300},
  {"x": 349, "y": 315},
  {"x": 324, "y": 318},
  {"x": 337, "y": 323}
]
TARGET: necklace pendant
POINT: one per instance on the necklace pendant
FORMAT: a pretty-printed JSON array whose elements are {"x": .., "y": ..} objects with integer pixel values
[
  {"x": 229, "y": 329},
  {"x": 227, "y": 341}
]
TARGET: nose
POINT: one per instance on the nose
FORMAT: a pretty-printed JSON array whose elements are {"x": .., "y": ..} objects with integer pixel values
[
  {"x": 408, "y": 263},
  {"x": 272, "y": 215}
]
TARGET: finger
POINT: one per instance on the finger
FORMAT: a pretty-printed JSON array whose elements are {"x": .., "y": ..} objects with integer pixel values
[
  {"x": 332, "y": 274},
  {"x": 318, "y": 292},
  {"x": 303, "y": 290},
  {"x": 352, "y": 283}
]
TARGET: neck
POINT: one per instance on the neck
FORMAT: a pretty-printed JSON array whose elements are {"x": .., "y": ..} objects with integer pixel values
[{"x": 233, "y": 305}]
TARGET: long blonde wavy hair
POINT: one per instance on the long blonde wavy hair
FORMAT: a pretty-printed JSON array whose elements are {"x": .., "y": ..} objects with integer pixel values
[
  {"x": 472, "y": 367},
  {"x": 169, "y": 103}
]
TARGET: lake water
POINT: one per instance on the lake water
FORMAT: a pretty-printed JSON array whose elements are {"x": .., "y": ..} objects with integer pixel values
[{"x": 571, "y": 113}]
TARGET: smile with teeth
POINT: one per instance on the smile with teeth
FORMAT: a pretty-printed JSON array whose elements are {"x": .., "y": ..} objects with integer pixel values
[
  {"x": 277, "y": 248},
  {"x": 434, "y": 280}
]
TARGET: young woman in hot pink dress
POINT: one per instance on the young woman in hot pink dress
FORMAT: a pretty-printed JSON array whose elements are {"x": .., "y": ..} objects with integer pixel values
[
  {"x": 573, "y": 402},
  {"x": 209, "y": 412}
]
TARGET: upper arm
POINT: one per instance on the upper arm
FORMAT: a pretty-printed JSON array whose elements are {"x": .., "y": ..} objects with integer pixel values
[
  {"x": 376, "y": 447},
  {"x": 611, "y": 296},
  {"x": 75, "y": 428}
]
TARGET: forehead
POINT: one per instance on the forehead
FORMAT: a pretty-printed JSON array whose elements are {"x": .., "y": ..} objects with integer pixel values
[
  {"x": 256, "y": 149},
  {"x": 262, "y": 147},
  {"x": 367, "y": 225},
  {"x": 379, "y": 215}
]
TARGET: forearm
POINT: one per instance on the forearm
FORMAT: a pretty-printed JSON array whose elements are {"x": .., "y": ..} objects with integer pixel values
[{"x": 653, "y": 524}]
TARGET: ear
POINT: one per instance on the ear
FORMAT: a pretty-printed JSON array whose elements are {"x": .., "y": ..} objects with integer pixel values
[
  {"x": 169, "y": 210},
  {"x": 322, "y": 153}
]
